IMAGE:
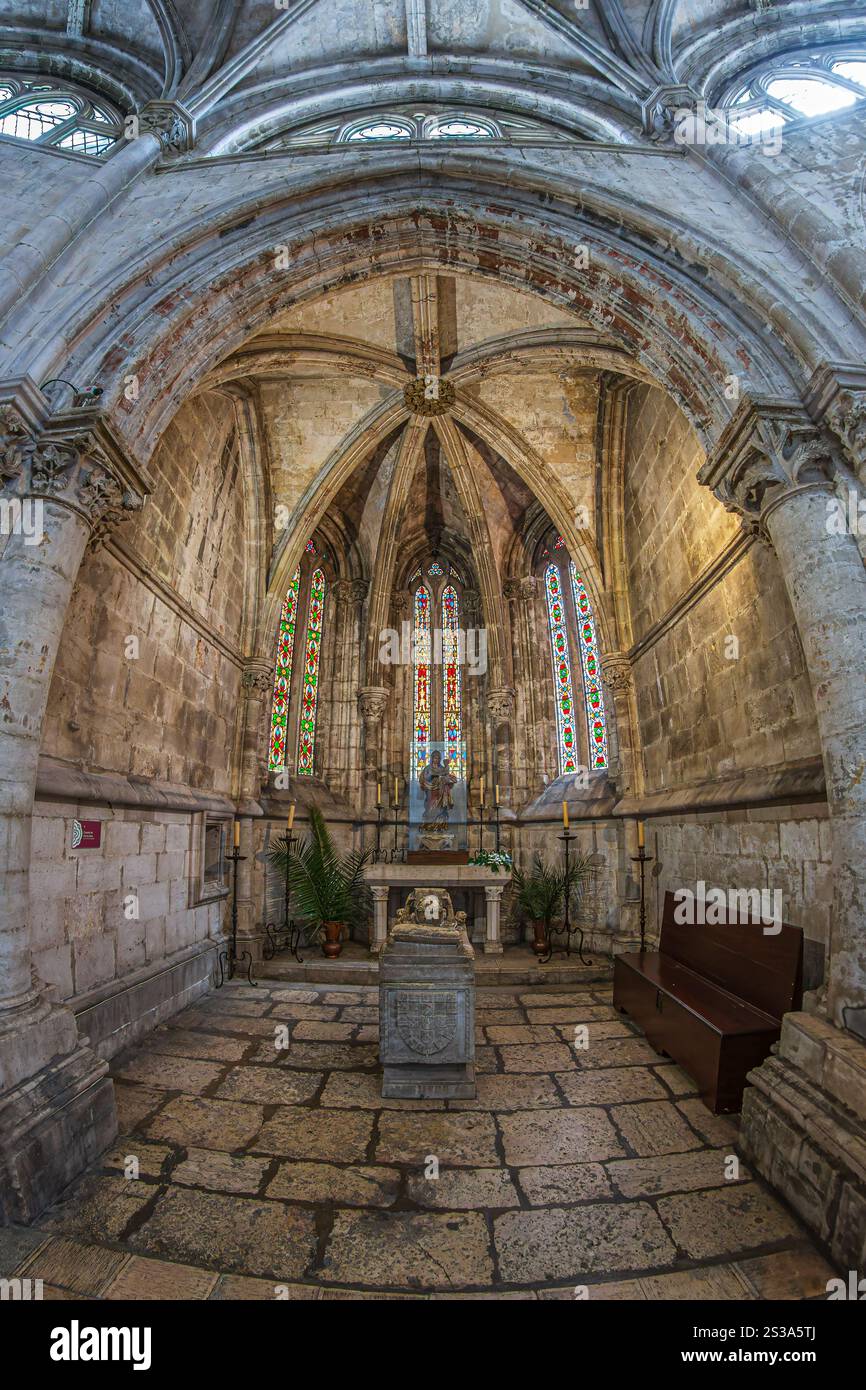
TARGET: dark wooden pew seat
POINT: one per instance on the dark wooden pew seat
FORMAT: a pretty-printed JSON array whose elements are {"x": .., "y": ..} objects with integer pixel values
[{"x": 712, "y": 998}]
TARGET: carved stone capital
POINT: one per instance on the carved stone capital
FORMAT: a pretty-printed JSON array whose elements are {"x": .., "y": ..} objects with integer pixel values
[
  {"x": 257, "y": 680},
  {"x": 171, "y": 123},
  {"x": 77, "y": 468},
  {"x": 472, "y": 607},
  {"x": 511, "y": 589},
  {"x": 847, "y": 418},
  {"x": 616, "y": 671},
  {"x": 529, "y": 587},
  {"x": 769, "y": 448},
  {"x": 359, "y": 590},
  {"x": 14, "y": 440},
  {"x": 400, "y": 603},
  {"x": 372, "y": 702},
  {"x": 500, "y": 704},
  {"x": 341, "y": 589}
]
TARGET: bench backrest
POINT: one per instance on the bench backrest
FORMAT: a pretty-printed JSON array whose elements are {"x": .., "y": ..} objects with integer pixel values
[{"x": 764, "y": 970}]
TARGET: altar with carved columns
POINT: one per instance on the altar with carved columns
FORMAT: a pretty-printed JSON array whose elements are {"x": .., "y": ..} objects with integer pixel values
[{"x": 390, "y": 884}]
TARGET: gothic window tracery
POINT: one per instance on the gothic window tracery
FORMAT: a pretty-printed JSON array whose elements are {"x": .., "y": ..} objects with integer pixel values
[
  {"x": 294, "y": 711},
  {"x": 437, "y": 714},
  {"x": 801, "y": 86},
  {"x": 48, "y": 113},
  {"x": 572, "y": 629}
]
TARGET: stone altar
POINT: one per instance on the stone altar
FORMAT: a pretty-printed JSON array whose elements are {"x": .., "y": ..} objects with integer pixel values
[
  {"x": 384, "y": 877},
  {"x": 427, "y": 1002}
]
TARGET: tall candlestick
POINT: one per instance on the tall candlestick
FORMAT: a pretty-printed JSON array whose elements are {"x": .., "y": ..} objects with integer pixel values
[
  {"x": 565, "y": 815},
  {"x": 640, "y": 835},
  {"x": 237, "y": 834}
]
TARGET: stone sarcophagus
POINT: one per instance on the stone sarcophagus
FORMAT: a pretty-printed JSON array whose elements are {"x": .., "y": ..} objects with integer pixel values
[{"x": 427, "y": 1002}]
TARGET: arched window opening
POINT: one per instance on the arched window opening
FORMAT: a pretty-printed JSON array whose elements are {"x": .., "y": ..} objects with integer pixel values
[
  {"x": 423, "y": 655},
  {"x": 590, "y": 660},
  {"x": 47, "y": 114},
  {"x": 283, "y": 677},
  {"x": 562, "y": 681},
  {"x": 310, "y": 695},
  {"x": 797, "y": 87}
]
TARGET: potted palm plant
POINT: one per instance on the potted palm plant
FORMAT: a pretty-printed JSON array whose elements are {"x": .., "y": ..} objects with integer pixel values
[
  {"x": 328, "y": 889},
  {"x": 540, "y": 893}
]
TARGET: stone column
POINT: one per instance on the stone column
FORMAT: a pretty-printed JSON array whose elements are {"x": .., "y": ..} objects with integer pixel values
[
  {"x": 500, "y": 708},
  {"x": 379, "y": 934},
  {"x": 257, "y": 684},
  {"x": 627, "y": 773},
  {"x": 492, "y": 938},
  {"x": 372, "y": 703},
  {"x": 776, "y": 468},
  {"x": 68, "y": 485}
]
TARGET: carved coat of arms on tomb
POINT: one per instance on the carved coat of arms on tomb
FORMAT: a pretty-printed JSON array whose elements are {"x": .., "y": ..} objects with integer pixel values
[{"x": 426, "y": 1021}]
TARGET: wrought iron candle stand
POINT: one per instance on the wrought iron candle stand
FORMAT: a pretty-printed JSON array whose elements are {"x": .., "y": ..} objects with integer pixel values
[
  {"x": 379, "y": 851},
  {"x": 288, "y": 936},
  {"x": 228, "y": 959},
  {"x": 394, "y": 850},
  {"x": 566, "y": 930},
  {"x": 643, "y": 859}
]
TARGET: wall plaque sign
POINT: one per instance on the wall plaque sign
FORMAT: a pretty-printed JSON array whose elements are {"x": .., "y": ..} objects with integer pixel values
[{"x": 86, "y": 834}]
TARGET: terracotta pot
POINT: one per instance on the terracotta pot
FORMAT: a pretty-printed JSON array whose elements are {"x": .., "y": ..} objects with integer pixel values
[
  {"x": 332, "y": 944},
  {"x": 539, "y": 945}
]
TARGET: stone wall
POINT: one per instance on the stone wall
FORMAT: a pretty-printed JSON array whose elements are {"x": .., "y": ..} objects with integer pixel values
[
  {"x": 145, "y": 693},
  {"x": 784, "y": 847},
  {"x": 719, "y": 669}
]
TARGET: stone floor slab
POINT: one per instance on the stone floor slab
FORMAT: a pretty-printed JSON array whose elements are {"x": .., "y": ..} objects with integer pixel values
[
  {"x": 164, "y": 1073},
  {"x": 466, "y": 1139},
  {"x": 464, "y": 1189},
  {"x": 220, "y": 1172},
  {"x": 206, "y": 1124},
  {"x": 408, "y": 1250},
  {"x": 564, "y": 1184},
  {"x": 143, "y": 1280},
  {"x": 675, "y": 1172},
  {"x": 514, "y": 1091},
  {"x": 363, "y": 1089},
  {"x": 135, "y": 1103},
  {"x": 327, "y": 1135},
  {"x": 207, "y": 1047},
  {"x": 535, "y": 1138},
  {"x": 355, "y": 1186},
  {"x": 709, "y": 1224},
  {"x": 269, "y": 1085},
  {"x": 232, "y": 1235},
  {"x": 70, "y": 1264},
  {"x": 610, "y": 1086},
  {"x": 654, "y": 1127},
  {"x": 545, "y": 1057},
  {"x": 539, "y": 1247}
]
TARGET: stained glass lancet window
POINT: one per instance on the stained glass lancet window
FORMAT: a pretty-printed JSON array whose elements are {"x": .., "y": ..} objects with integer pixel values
[
  {"x": 451, "y": 689},
  {"x": 590, "y": 661},
  {"x": 283, "y": 677},
  {"x": 423, "y": 654},
  {"x": 561, "y": 671},
  {"x": 310, "y": 696}
]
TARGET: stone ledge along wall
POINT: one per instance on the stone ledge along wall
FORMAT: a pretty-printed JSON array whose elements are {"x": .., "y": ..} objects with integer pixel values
[
  {"x": 704, "y": 717},
  {"x": 162, "y": 711}
]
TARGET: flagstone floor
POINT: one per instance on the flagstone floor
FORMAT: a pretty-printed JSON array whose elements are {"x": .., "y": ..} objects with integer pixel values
[{"x": 259, "y": 1161}]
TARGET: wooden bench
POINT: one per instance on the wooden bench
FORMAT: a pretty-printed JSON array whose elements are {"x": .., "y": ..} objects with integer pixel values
[{"x": 712, "y": 998}]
